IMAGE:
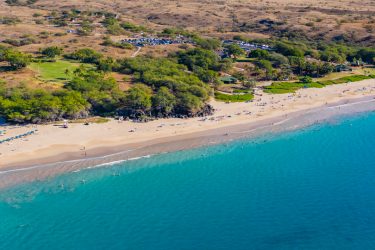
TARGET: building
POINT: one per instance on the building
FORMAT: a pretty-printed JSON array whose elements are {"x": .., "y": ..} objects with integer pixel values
[
  {"x": 342, "y": 68},
  {"x": 228, "y": 79}
]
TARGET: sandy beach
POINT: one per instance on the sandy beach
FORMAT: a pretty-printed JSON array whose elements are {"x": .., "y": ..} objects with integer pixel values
[{"x": 52, "y": 143}]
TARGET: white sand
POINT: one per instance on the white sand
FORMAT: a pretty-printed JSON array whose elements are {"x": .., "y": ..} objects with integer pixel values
[{"x": 52, "y": 140}]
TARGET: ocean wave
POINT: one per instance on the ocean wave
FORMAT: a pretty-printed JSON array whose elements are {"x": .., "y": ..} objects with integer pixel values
[
  {"x": 121, "y": 161},
  {"x": 292, "y": 121}
]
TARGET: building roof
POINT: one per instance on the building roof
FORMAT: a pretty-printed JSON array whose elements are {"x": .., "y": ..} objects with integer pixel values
[{"x": 228, "y": 79}]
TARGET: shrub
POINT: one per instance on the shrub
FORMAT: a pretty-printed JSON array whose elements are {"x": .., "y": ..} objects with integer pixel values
[
  {"x": 233, "y": 98},
  {"x": 85, "y": 55},
  {"x": 51, "y": 52}
]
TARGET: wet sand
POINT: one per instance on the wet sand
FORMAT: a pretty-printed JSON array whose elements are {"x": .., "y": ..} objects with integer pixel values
[
  {"x": 40, "y": 169},
  {"x": 81, "y": 146}
]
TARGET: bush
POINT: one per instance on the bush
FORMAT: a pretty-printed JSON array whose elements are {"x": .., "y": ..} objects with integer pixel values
[
  {"x": 20, "y": 42},
  {"x": 190, "y": 92},
  {"x": 288, "y": 50},
  {"x": 234, "y": 50},
  {"x": 367, "y": 55},
  {"x": 85, "y": 55},
  {"x": 86, "y": 29},
  {"x": 209, "y": 44},
  {"x": 10, "y": 20},
  {"x": 115, "y": 29},
  {"x": 51, "y": 52},
  {"x": 100, "y": 91},
  {"x": 23, "y": 105},
  {"x": 132, "y": 27},
  {"x": 20, "y": 2},
  {"x": 138, "y": 100},
  {"x": 305, "y": 79},
  {"x": 16, "y": 59},
  {"x": 259, "y": 53},
  {"x": 203, "y": 63},
  {"x": 233, "y": 98},
  {"x": 108, "y": 42}
]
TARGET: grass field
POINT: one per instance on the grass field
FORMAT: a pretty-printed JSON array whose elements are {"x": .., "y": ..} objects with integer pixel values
[
  {"x": 245, "y": 91},
  {"x": 337, "y": 75},
  {"x": 291, "y": 87},
  {"x": 54, "y": 71},
  {"x": 233, "y": 98},
  {"x": 353, "y": 78}
]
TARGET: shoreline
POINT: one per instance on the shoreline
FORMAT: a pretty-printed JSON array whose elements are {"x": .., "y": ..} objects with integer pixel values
[
  {"x": 82, "y": 146},
  {"x": 106, "y": 156},
  {"x": 103, "y": 151}
]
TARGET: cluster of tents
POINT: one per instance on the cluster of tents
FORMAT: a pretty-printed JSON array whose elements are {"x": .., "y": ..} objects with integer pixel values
[
  {"x": 141, "y": 42},
  {"x": 18, "y": 136}
]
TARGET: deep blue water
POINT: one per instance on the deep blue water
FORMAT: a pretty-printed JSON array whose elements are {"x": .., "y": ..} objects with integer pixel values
[{"x": 310, "y": 189}]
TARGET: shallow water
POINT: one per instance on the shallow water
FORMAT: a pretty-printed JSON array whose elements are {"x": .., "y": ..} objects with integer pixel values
[{"x": 310, "y": 189}]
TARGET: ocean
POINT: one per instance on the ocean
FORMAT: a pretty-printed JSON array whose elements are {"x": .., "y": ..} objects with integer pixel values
[{"x": 313, "y": 188}]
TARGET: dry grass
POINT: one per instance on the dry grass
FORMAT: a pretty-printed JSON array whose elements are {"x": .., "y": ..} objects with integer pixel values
[{"x": 219, "y": 18}]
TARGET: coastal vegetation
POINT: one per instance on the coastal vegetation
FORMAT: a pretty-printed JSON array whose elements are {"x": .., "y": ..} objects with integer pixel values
[
  {"x": 180, "y": 84},
  {"x": 176, "y": 89},
  {"x": 291, "y": 87},
  {"x": 14, "y": 58},
  {"x": 56, "y": 71},
  {"x": 237, "y": 97},
  {"x": 95, "y": 64},
  {"x": 163, "y": 87},
  {"x": 22, "y": 105}
]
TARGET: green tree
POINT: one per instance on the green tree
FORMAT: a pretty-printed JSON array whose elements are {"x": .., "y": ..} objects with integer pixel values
[
  {"x": 100, "y": 91},
  {"x": 259, "y": 53},
  {"x": 367, "y": 55},
  {"x": 267, "y": 66},
  {"x": 288, "y": 50},
  {"x": 108, "y": 64},
  {"x": 23, "y": 105},
  {"x": 86, "y": 28},
  {"x": 16, "y": 59},
  {"x": 209, "y": 44},
  {"x": 188, "y": 104},
  {"x": 234, "y": 50},
  {"x": 305, "y": 79},
  {"x": 249, "y": 84},
  {"x": 163, "y": 102},
  {"x": 138, "y": 100},
  {"x": 85, "y": 55},
  {"x": 52, "y": 52}
]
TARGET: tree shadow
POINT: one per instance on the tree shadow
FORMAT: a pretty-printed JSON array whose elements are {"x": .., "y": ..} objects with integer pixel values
[{"x": 6, "y": 68}]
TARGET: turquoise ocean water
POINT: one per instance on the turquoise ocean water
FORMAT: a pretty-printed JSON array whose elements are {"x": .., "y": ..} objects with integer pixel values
[{"x": 308, "y": 189}]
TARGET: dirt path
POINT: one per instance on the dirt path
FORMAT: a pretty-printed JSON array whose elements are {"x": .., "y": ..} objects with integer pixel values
[{"x": 136, "y": 53}]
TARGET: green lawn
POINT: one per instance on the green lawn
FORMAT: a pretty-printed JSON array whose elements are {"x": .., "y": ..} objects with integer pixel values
[
  {"x": 245, "y": 59},
  {"x": 291, "y": 87},
  {"x": 356, "y": 71},
  {"x": 54, "y": 71},
  {"x": 245, "y": 91},
  {"x": 233, "y": 98},
  {"x": 353, "y": 78}
]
